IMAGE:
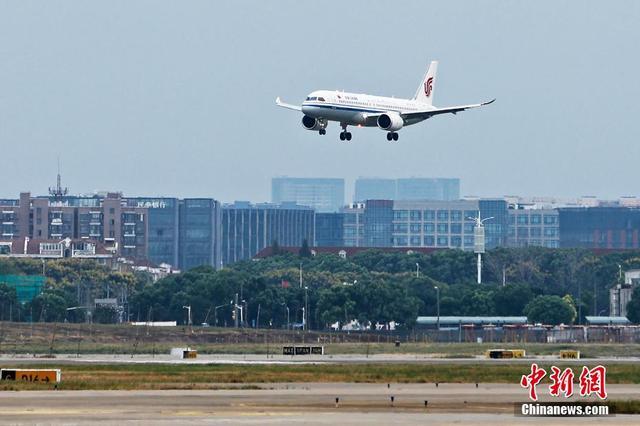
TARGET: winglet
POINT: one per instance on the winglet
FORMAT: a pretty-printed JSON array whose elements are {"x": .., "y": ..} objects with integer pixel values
[
  {"x": 288, "y": 106},
  {"x": 489, "y": 102}
]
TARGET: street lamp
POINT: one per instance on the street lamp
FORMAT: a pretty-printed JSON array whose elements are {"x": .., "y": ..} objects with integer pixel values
[
  {"x": 437, "y": 306},
  {"x": 188, "y": 308},
  {"x": 215, "y": 313},
  {"x": 306, "y": 308},
  {"x": 285, "y": 305},
  {"x": 417, "y": 270}
]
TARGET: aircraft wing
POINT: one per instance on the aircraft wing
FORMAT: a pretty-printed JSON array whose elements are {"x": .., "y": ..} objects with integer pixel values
[
  {"x": 437, "y": 111},
  {"x": 286, "y": 105}
]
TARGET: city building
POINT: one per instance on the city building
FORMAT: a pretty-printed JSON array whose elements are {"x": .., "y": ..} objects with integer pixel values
[
  {"x": 619, "y": 297},
  {"x": 353, "y": 224},
  {"x": 443, "y": 224},
  {"x": 324, "y": 195},
  {"x": 163, "y": 226},
  {"x": 533, "y": 227},
  {"x": 106, "y": 219},
  {"x": 378, "y": 223},
  {"x": 444, "y": 189},
  {"x": 329, "y": 229},
  {"x": 600, "y": 227},
  {"x": 181, "y": 233},
  {"x": 248, "y": 228},
  {"x": 200, "y": 235},
  {"x": 496, "y": 229}
]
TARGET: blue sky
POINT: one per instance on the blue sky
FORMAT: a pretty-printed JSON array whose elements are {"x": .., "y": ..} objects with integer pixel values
[{"x": 177, "y": 98}]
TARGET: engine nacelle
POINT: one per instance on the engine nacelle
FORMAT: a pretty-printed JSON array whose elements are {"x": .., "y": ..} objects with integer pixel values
[
  {"x": 390, "y": 122},
  {"x": 311, "y": 123}
]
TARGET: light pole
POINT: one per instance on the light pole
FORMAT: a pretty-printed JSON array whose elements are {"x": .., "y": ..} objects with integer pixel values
[
  {"x": 188, "y": 308},
  {"x": 417, "y": 270},
  {"x": 215, "y": 313},
  {"x": 287, "y": 308},
  {"x": 478, "y": 241},
  {"x": 306, "y": 308},
  {"x": 437, "y": 306}
]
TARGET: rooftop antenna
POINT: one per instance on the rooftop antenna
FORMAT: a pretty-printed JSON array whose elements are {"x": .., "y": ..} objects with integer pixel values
[{"x": 58, "y": 192}]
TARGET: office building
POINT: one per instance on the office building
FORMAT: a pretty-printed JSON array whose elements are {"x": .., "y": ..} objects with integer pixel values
[
  {"x": 441, "y": 224},
  {"x": 324, "y": 195},
  {"x": 444, "y": 189},
  {"x": 248, "y": 228},
  {"x": 353, "y": 224},
  {"x": 162, "y": 239},
  {"x": 600, "y": 227},
  {"x": 495, "y": 229},
  {"x": 200, "y": 236},
  {"x": 329, "y": 229},
  {"x": 533, "y": 227}
]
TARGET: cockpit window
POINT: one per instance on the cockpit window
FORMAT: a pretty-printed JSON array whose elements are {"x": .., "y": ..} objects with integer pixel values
[
  {"x": 321, "y": 99},
  {"x": 311, "y": 98}
]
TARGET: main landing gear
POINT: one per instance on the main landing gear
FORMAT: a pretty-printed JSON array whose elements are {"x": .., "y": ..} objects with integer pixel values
[
  {"x": 322, "y": 131},
  {"x": 392, "y": 136},
  {"x": 344, "y": 135}
]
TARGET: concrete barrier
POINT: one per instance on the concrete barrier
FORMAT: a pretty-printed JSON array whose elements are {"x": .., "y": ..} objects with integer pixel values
[{"x": 31, "y": 375}]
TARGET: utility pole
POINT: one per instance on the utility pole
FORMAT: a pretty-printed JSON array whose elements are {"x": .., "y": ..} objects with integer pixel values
[
  {"x": 438, "y": 306},
  {"x": 478, "y": 241},
  {"x": 306, "y": 307},
  {"x": 300, "y": 274},
  {"x": 188, "y": 308},
  {"x": 235, "y": 312}
]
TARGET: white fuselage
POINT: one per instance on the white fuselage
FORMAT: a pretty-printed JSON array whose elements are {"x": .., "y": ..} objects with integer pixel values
[{"x": 352, "y": 108}]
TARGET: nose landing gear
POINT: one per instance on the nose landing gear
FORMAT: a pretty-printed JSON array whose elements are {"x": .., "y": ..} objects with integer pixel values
[{"x": 392, "y": 136}]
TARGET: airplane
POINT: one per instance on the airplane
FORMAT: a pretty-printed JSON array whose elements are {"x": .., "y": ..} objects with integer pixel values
[{"x": 388, "y": 114}]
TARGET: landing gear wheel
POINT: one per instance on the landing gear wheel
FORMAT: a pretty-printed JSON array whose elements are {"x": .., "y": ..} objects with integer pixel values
[
  {"x": 389, "y": 136},
  {"x": 322, "y": 131},
  {"x": 347, "y": 135},
  {"x": 342, "y": 136},
  {"x": 395, "y": 136}
]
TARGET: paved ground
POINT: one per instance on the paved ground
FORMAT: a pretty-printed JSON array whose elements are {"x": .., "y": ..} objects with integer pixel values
[
  {"x": 300, "y": 359},
  {"x": 312, "y": 403}
]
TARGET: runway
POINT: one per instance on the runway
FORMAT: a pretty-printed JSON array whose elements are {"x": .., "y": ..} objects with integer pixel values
[{"x": 312, "y": 403}]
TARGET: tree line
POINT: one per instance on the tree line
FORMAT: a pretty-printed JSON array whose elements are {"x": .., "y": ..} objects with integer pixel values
[{"x": 550, "y": 286}]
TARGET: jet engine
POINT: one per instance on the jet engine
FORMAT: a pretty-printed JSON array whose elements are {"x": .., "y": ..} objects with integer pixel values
[
  {"x": 390, "y": 122},
  {"x": 311, "y": 123}
]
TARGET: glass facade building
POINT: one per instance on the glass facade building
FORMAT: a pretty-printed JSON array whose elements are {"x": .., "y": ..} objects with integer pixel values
[
  {"x": 444, "y": 189},
  {"x": 329, "y": 230},
  {"x": 374, "y": 189},
  {"x": 324, "y": 195},
  {"x": 496, "y": 229},
  {"x": 163, "y": 223},
  {"x": 199, "y": 233},
  {"x": 248, "y": 228},
  {"x": 600, "y": 227},
  {"x": 378, "y": 223}
]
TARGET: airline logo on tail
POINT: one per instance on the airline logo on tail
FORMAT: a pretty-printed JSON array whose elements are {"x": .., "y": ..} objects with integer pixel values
[{"x": 428, "y": 86}]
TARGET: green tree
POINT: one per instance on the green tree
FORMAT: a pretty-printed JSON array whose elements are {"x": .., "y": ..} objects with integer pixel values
[
  {"x": 552, "y": 310},
  {"x": 633, "y": 307},
  {"x": 512, "y": 299},
  {"x": 304, "y": 249}
]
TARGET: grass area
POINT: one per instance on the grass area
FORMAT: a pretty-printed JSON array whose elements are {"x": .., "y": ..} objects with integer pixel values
[{"x": 165, "y": 376}]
